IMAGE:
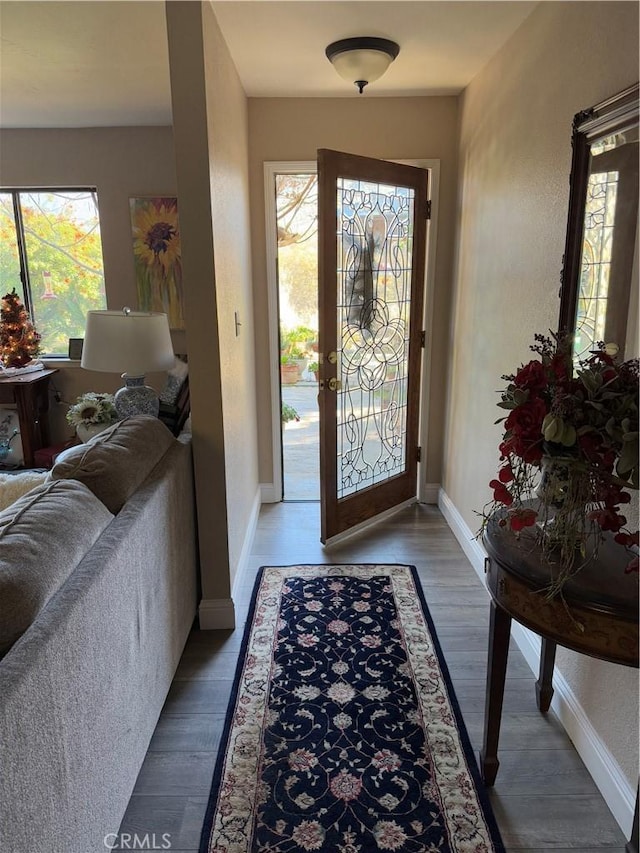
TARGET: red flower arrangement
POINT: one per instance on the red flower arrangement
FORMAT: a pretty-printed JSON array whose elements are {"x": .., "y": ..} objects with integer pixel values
[{"x": 571, "y": 440}]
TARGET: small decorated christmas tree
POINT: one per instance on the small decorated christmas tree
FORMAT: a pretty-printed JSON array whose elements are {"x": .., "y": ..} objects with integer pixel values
[{"x": 19, "y": 341}]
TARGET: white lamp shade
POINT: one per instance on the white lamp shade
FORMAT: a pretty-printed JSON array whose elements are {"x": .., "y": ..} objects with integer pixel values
[
  {"x": 367, "y": 65},
  {"x": 131, "y": 342}
]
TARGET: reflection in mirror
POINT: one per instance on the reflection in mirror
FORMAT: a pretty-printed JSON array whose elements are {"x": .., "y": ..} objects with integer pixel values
[
  {"x": 609, "y": 242},
  {"x": 599, "y": 296}
]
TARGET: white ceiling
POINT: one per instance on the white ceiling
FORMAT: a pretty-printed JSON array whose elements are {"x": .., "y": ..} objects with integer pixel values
[
  {"x": 83, "y": 64},
  {"x": 278, "y": 47},
  {"x": 71, "y": 64}
]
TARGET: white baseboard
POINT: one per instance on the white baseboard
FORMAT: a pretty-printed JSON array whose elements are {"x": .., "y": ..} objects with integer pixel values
[
  {"x": 618, "y": 794},
  {"x": 268, "y": 494},
  {"x": 473, "y": 550},
  {"x": 250, "y": 533},
  {"x": 604, "y": 769},
  {"x": 217, "y": 614}
]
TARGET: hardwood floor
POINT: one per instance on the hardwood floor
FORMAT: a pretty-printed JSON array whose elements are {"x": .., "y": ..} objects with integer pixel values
[{"x": 543, "y": 799}]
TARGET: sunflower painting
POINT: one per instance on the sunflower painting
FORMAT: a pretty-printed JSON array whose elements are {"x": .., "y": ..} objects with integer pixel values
[{"x": 158, "y": 261}]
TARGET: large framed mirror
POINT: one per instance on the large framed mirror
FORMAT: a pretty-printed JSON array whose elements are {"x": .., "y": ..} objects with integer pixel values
[{"x": 599, "y": 291}]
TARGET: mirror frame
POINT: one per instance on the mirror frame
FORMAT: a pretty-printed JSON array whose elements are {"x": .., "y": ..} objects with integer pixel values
[{"x": 616, "y": 114}]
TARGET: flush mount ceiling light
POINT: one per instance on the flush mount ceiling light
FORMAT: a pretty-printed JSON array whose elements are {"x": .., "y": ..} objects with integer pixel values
[{"x": 363, "y": 59}]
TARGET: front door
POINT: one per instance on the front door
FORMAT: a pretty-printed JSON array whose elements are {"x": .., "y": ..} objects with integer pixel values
[{"x": 371, "y": 256}]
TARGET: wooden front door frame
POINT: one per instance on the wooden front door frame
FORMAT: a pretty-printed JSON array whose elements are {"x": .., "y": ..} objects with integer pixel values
[
  {"x": 272, "y": 492},
  {"x": 340, "y": 514}
]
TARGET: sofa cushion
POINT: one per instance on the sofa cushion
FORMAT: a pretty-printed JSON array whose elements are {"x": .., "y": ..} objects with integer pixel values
[
  {"x": 43, "y": 537},
  {"x": 116, "y": 461}
]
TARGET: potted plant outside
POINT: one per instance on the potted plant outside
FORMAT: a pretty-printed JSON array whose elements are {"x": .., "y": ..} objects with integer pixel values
[
  {"x": 300, "y": 337},
  {"x": 298, "y": 344},
  {"x": 289, "y": 370},
  {"x": 289, "y": 413},
  {"x": 299, "y": 358}
]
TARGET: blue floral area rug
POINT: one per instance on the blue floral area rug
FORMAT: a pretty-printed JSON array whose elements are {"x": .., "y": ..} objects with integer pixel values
[{"x": 343, "y": 732}]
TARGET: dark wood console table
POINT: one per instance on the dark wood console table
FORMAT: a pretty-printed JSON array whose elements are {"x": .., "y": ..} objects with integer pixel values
[
  {"x": 29, "y": 392},
  {"x": 601, "y": 598}
]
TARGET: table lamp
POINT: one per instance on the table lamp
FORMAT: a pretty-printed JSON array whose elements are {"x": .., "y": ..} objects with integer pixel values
[{"x": 131, "y": 343}]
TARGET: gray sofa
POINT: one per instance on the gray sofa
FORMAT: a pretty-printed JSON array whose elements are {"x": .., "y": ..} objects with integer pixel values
[{"x": 98, "y": 589}]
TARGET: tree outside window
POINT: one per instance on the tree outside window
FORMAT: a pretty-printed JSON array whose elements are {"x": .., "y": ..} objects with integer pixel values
[
  {"x": 51, "y": 253},
  {"x": 297, "y": 218}
]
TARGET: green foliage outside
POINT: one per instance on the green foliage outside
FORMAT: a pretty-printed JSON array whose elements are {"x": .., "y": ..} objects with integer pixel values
[
  {"x": 297, "y": 216},
  {"x": 289, "y": 413},
  {"x": 298, "y": 276},
  {"x": 297, "y": 342},
  {"x": 65, "y": 262}
]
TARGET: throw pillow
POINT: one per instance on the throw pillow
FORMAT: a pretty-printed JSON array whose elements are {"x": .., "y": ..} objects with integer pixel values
[
  {"x": 175, "y": 380},
  {"x": 114, "y": 463},
  {"x": 43, "y": 537}
]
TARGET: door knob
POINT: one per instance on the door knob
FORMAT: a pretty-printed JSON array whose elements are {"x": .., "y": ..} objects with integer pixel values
[{"x": 333, "y": 384}]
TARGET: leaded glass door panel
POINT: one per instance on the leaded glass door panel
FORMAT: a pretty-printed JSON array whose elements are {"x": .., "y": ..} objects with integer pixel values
[
  {"x": 372, "y": 231},
  {"x": 609, "y": 237}
]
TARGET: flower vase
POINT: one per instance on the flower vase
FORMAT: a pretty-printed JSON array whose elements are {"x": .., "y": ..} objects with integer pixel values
[
  {"x": 564, "y": 492},
  {"x": 87, "y": 431},
  {"x": 555, "y": 479}
]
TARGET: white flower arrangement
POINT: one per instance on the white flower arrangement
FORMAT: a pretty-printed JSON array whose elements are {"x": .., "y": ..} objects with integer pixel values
[{"x": 91, "y": 409}]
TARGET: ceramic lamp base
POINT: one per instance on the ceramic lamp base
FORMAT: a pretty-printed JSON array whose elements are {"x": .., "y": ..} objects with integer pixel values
[{"x": 136, "y": 398}]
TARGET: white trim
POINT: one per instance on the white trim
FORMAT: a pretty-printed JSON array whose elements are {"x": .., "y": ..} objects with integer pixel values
[
  {"x": 430, "y": 493},
  {"x": 339, "y": 538},
  {"x": 271, "y": 169},
  {"x": 268, "y": 494},
  {"x": 68, "y": 363},
  {"x": 247, "y": 543},
  {"x": 217, "y": 614},
  {"x": 605, "y": 771},
  {"x": 473, "y": 550}
]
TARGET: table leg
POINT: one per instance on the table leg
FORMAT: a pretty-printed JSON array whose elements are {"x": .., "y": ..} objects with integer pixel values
[
  {"x": 25, "y": 404},
  {"x": 544, "y": 689},
  {"x": 499, "y": 635}
]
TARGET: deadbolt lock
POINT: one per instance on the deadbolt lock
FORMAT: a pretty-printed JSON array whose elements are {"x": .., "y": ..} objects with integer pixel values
[
  {"x": 332, "y": 358},
  {"x": 333, "y": 384}
]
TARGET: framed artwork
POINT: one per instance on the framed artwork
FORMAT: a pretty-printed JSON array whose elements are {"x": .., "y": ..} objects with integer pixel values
[
  {"x": 157, "y": 256},
  {"x": 11, "y": 453}
]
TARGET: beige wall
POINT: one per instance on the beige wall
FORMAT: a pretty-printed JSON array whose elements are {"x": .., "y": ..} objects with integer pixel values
[
  {"x": 392, "y": 128},
  {"x": 122, "y": 163},
  {"x": 228, "y": 157},
  {"x": 210, "y": 132},
  {"x": 515, "y": 156}
]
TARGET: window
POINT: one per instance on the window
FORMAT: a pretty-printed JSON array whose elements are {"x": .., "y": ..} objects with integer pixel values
[{"x": 51, "y": 253}]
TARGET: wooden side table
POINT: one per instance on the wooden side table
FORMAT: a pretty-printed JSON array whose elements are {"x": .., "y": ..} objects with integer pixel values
[
  {"x": 600, "y": 597},
  {"x": 29, "y": 392}
]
